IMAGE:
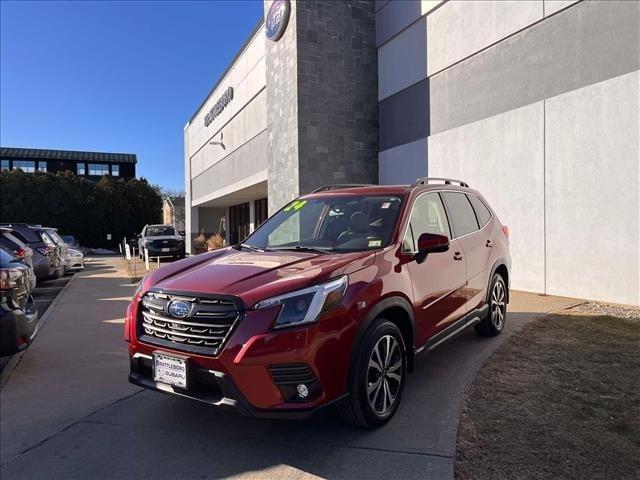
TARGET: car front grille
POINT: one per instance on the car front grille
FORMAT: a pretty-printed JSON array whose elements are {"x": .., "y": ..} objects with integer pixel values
[
  {"x": 204, "y": 329},
  {"x": 171, "y": 243}
]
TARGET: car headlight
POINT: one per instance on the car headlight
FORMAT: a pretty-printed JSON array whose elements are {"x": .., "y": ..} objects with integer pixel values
[
  {"x": 306, "y": 305},
  {"x": 139, "y": 286}
]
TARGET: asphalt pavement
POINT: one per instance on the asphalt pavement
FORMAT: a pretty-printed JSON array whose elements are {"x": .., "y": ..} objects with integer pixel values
[
  {"x": 44, "y": 294},
  {"x": 68, "y": 411}
]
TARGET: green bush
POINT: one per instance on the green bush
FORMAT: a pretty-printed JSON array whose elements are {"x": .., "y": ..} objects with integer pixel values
[{"x": 78, "y": 207}]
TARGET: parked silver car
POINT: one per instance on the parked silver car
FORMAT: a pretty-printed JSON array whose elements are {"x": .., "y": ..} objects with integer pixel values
[
  {"x": 46, "y": 259},
  {"x": 21, "y": 251}
]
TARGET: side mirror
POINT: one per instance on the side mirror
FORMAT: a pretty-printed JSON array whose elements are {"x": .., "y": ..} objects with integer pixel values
[{"x": 431, "y": 243}]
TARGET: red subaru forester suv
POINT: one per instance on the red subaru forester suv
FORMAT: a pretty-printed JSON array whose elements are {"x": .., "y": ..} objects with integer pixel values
[{"x": 328, "y": 302}]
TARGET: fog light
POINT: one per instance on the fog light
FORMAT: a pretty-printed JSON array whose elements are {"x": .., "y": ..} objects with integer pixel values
[{"x": 303, "y": 391}]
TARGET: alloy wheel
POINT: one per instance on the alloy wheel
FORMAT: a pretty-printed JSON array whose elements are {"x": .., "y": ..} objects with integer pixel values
[
  {"x": 498, "y": 305},
  {"x": 384, "y": 374}
]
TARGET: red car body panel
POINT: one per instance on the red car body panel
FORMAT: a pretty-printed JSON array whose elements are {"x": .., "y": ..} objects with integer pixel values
[{"x": 439, "y": 291}]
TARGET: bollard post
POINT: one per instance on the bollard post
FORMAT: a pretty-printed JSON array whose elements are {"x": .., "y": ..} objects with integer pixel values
[{"x": 146, "y": 259}]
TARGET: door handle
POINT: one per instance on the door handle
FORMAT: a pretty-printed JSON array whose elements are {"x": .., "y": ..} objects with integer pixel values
[
  {"x": 489, "y": 244},
  {"x": 457, "y": 256}
]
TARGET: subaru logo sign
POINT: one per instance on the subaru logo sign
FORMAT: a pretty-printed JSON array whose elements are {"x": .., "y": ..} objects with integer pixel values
[
  {"x": 179, "y": 309},
  {"x": 277, "y": 19}
]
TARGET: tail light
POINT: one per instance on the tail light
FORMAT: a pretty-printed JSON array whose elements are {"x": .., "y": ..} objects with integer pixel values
[
  {"x": 44, "y": 250},
  {"x": 8, "y": 277},
  {"x": 505, "y": 230},
  {"x": 20, "y": 252}
]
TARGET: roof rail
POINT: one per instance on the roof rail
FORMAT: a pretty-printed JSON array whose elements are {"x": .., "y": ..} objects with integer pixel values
[
  {"x": 341, "y": 186},
  {"x": 446, "y": 181}
]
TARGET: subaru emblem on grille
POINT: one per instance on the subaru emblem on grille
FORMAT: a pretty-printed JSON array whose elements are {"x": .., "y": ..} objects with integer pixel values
[{"x": 179, "y": 309}]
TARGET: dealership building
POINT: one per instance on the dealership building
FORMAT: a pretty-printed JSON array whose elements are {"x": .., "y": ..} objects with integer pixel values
[{"x": 533, "y": 103}]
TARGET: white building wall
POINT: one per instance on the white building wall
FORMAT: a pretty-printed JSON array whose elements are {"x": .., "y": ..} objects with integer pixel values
[
  {"x": 503, "y": 158},
  {"x": 459, "y": 29},
  {"x": 592, "y": 197}
]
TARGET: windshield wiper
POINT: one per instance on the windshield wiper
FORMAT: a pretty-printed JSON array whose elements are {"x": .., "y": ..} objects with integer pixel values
[
  {"x": 307, "y": 248},
  {"x": 251, "y": 247}
]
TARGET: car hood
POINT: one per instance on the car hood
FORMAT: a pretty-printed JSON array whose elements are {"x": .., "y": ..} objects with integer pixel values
[{"x": 254, "y": 276}]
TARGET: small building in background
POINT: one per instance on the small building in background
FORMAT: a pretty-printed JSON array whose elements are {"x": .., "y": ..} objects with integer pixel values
[
  {"x": 91, "y": 165},
  {"x": 173, "y": 212}
]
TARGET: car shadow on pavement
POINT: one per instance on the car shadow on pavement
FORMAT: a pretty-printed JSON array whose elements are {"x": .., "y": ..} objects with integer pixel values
[
  {"x": 112, "y": 429},
  {"x": 419, "y": 442}
]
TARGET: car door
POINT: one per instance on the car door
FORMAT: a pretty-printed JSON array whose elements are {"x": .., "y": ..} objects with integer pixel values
[
  {"x": 439, "y": 281},
  {"x": 466, "y": 230}
]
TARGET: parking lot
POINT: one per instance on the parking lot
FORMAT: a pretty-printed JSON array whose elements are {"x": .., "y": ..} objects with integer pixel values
[{"x": 69, "y": 412}]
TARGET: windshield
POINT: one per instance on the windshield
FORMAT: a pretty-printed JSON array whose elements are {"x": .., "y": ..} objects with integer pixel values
[
  {"x": 348, "y": 223},
  {"x": 159, "y": 231},
  {"x": 69, "y": 239}
]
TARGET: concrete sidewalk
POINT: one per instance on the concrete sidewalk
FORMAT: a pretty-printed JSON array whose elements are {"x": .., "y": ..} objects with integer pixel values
[
  {"x": 77, "y": 364},
  {"x": 68, "y": 411}
]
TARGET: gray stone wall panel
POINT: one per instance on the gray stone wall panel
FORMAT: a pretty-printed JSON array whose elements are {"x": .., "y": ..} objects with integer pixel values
[{"x": 585, "y": 44}]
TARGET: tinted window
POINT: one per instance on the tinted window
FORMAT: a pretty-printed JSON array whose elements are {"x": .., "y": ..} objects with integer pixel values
[
  {"x": 159, "y": 231},
  {"x": 482, "y": 212},
  {"x": 463, "y": 220},
  {"x": 428, "y": 216}
]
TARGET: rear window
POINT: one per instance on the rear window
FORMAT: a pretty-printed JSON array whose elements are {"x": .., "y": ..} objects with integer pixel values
[
  {"x": 463, "y": 219},
  {"x": 13, "y": 239},
  {"x": 482, "y": 212},
  {"x": 56, "y": 238},
  {"x": 47, "y": 239}
]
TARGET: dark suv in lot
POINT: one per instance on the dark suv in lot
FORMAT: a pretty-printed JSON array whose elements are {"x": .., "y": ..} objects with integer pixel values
[{"x": 328, "y": 302}]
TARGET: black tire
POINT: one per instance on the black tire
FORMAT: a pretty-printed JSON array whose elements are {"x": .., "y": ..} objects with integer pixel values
[
  {"x": 494, "y": 322},
  {"x": 360, "y": 409}
]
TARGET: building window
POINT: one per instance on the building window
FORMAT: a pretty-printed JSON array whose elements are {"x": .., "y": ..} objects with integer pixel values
[
  {"x": 115, "y": 170},
  {"x": 24, "y": 165},
  {"x": 4, "y": 165},
  {"x": 42, "y": 166},
  {"x": 98, "y": 169},
  {"x": 80, "y": 169}
]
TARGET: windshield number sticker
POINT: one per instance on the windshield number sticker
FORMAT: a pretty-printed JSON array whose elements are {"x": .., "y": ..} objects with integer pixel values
[
  {"x": 296, "y": 205},
  {"x": 375, "y": 243}
]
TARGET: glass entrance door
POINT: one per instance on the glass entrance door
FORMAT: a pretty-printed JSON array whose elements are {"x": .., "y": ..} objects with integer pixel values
[{"x": 238, "y": 222}]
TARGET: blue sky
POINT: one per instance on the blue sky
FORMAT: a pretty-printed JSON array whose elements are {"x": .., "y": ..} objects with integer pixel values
[{"x": 115, "y": 76}]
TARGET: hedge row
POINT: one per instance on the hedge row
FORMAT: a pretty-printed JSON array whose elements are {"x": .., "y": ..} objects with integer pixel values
[{"x": 76, "y": 206}]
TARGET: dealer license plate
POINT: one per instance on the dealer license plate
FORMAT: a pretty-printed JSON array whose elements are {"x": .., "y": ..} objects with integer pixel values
[
  {"x": 165, "y": 249},
  {"x": 170, "y": 370}
]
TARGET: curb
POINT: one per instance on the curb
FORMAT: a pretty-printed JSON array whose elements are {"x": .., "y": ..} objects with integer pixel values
[{"x": 8, "y": 369}]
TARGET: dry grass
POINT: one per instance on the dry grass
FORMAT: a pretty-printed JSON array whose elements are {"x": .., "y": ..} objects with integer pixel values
[{"x": 560, "y": 399}]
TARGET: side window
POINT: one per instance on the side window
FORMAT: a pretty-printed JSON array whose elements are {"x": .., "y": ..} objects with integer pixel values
[
  {"x": 482, "y": 212},
  {"x": 463, "y": 219},
  {"x": 428, "y": 216}
]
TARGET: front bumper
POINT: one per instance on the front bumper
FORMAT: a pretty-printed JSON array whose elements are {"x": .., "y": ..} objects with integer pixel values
[
  {"x": 74, "y": 263},
  {"x": 17, "y": 328},
  {"x": 171, "y": 251},
  {"x": 242, "y": 375},
  {"x": 215, "y": 389}
]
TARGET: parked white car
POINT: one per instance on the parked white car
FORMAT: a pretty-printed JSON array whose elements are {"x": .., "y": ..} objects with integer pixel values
[{"x": 74, "y": 260}]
